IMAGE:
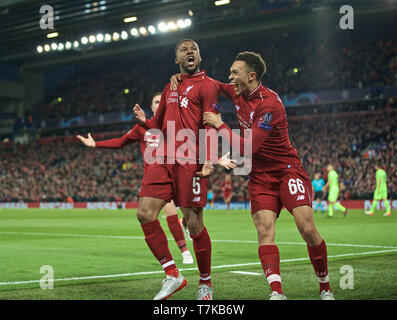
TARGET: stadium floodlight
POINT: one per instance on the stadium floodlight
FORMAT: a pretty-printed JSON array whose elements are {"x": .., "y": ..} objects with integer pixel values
[
  {"x": 115, "y": 36},
  {"x": 76, "y": 44},
  {"x": 54, "y": 46},
  {"x": 61, "y": 46},
  {"x": 124, "y": 35},
  {"x": 134, "y": 32},
  {"x": 108, "y": 37},
  {"x": 52, "y": 35},
  {"x": 162, "y": 27},
  {"x": 181, "y": 23},
  {"x": 190, "y": 12},
  {"x": 92, "y": 38},
  {"x": 39, "y": 49},
  {"x": 222, "y": 2},
  {"x": 99, "y": 37},
  {"x": 188, "y": 22},
  {"x": 68, "y": 45},
  {"x": 84, "y": 40},
  {"x": 142, "y": 30},
  {"x": 172, "y": 26},
  {"x": 152, "y": 29},
  {"x": 47, "y": 48},
  {"x": 127, "y": 91},
  {"x": 130, "y": 19},
  {"x": 59, "y": 99}
]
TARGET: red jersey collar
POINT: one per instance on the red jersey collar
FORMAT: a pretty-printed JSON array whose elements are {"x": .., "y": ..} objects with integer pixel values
[
  {"x": 254, "y": 92},
  {"x": 197, "y": 74}
]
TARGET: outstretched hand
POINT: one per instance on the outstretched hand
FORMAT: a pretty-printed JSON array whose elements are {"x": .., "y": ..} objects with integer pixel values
[
  {"x": 89, "y": 142},
  {"x": 226, "y": 162},
  {"x": 139, "y": 114}
]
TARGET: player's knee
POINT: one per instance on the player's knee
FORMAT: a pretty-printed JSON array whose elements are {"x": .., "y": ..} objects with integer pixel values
[{"x": 145, "y": 215}]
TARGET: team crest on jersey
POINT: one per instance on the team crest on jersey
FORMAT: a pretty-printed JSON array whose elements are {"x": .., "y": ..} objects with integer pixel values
[
  {"x": 184, "y": 102},
  {"x": 267, "y": 118}
]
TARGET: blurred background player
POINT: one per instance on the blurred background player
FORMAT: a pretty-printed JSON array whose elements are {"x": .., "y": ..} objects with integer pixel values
[
  {"x": 137, "y": 133},
  {"x": 210, "y": 198},
  {"x": 333, "y": 186},
  {"x": 380, "y": 191},
  {"x": 318, "y": 185},
  {"x": 227, "y": 189}
]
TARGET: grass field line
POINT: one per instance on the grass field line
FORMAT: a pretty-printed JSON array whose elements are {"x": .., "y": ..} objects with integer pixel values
[
  {"x": 195, "y": 269},
  {"x": 171, "y": 239}
]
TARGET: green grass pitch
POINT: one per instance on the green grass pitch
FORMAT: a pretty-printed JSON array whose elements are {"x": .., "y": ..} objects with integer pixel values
[{"x": 101, "y": 254}]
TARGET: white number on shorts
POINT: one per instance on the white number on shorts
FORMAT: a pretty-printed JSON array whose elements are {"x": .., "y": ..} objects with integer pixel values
[
  {"x": 196, "y": 185},
  {"x": 295, "y": 186}
]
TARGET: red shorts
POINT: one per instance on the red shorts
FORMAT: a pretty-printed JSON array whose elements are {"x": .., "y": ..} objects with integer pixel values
[
  {"x": 227, "y": 194},
  {"x": 176, "y": 182},
  {"x": 289, "y": 188}
]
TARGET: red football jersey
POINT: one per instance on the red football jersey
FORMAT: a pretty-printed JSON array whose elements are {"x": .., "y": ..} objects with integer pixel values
[
  {"x": 137, "y": 133},
  {"x": 183, "y": 108},
  {"x": 264, "y": 113},
  {"x": 227, "y": 186}
]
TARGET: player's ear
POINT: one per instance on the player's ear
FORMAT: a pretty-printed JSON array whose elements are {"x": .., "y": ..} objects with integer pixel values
[
  {"x": 252, "y": 76},
  {"x": 176, "y": 60}
]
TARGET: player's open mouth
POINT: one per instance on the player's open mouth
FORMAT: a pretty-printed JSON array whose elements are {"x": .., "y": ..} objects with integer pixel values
[{"x": 190, "y": 61}]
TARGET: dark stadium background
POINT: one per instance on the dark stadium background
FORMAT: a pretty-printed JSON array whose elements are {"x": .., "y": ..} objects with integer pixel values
[{"x": 339, "y": 88}]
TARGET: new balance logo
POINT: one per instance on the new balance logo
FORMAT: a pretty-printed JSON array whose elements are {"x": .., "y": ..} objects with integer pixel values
[
  {"x": 196, "y": 199},
  {"x": 300, "y": 197}
]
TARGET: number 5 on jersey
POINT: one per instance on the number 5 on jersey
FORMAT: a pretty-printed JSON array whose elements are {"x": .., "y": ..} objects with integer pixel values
[{"x": 196, "y": 185}]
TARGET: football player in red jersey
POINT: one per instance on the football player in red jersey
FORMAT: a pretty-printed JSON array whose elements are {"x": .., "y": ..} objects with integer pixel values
[
  {"x": 227, "y": 189},
  {"x": 277, "y": 177},
  {"x": 180, "y": 177},
  {"x": 137, "y": 133}
]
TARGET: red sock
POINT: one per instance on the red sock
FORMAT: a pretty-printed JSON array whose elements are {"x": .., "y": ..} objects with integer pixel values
[
  {"x": 318, "y": 257},
  {"x": 158, "y": 244},
  {"x": 270, "y": 259},
  {"x": 202, "y": 249},
  {"x": 177, "y": 232}
]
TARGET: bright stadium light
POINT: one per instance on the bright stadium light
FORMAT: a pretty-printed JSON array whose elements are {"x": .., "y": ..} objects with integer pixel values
[
  {"x": 76, "y": 44},
  {"x": 172, "y": 26},
  {"x": 39, "y": 49},
  {"x": 68, "y": 45},
  {"x": 190, "y": 12},
  {"x": 61, "y": 46},
  {"x": 92, "y": 38},
  {"x": 84, "y": 40},
  {"x": 152, "y": 29},
  {"x": 52, "y": 35},
  {"x": 130, "y": 19},
  {"x": 54, "y": 46},
  {"x": 188, "y": 22},
  {"x": 108, "y": 37},
  {"x": 115, "y": 36},
  {"x": 124, "y": 35},
  {"x": 99, "y": 37},
  {"x": 134, "y": 32},
  {"x": 47, "y": 48},
  {"x": 222, "y": 2},
  {"x": 181, "y": 23},
  {"x": 142, "y": 30},
  {"x": 163, "y": 27}
]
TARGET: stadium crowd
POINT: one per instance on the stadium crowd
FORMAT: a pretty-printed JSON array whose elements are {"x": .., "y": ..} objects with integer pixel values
[
  {"x": 295, "y": 64},
  {"x": 71, "y": 172}
]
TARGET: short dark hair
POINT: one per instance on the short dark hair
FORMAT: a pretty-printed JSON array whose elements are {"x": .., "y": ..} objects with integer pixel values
[
  {"x": 159, "y": 93},
  {"x": 180, "y": 42},
  {"x": 254, "y": 62}
]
